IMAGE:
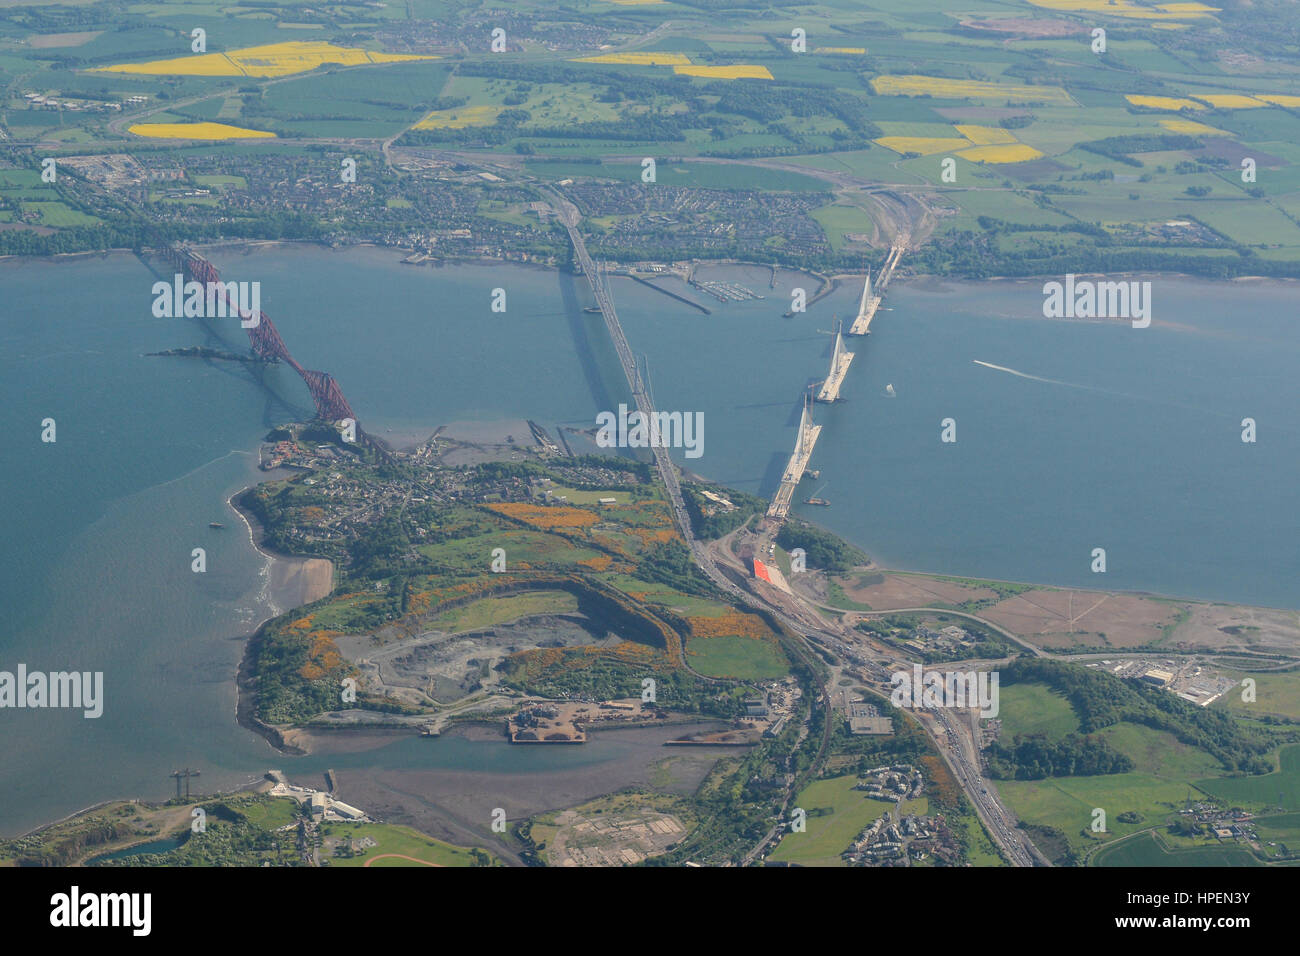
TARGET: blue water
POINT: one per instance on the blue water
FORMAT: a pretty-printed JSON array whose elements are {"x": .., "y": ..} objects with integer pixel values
[
  {"x": 1140, "y": 454},
  {"x": 152, "y": 848},
  {"x": 1134, "y": 446}
]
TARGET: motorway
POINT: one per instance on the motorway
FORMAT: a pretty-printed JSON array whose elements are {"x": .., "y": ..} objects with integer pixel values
[
  {"x": 961, "y": 757},
  {"x": 962, "y": 760}
]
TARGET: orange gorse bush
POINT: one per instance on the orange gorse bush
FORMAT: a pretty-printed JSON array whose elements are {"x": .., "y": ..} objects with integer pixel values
[
  {"x": 544, "y": 517},
  {"x": 323, "y": 656},
  {"x": 733, "y": 623}
]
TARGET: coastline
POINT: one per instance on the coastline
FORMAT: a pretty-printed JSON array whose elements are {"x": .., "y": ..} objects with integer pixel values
[
  {"x": 830, "y": 277},
  {"x": 311, "y": 579},
  {"x": 297, "y": 741}
]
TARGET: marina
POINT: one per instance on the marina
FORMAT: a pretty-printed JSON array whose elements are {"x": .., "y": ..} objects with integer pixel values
[{"x": 725, "y": 291}]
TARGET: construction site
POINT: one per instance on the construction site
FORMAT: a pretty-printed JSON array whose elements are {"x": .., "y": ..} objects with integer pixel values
[
  {"x": 827, "y": 392},
  {"x": 841, "y": 359},
  {"x": 872, "y": 297}
]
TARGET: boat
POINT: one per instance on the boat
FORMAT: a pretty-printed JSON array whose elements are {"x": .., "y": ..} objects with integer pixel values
[
  {"x": 889, "y": 390},
  {"x": 592, "y": 310},
  {"x": 215, "y": 524},
  {"x": 814, "y": 474},
  {"x": 817, "y": 501}
]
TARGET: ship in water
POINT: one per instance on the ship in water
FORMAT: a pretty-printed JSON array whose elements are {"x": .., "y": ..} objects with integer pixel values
[
  {"x": 889, "y": 390},
  {"x": 817, "y": 501},
  {"x": 814, "y": 474},
  {"x": 215, "y": 524}
]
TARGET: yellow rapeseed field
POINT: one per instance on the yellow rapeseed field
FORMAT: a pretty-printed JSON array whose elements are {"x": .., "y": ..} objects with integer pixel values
[
  {"x": 1125, "y": 8},
  {"x": 197, "y": 131},
  {"x": 274, "y": 59},
  {"x": 1164, "y": 102},
  {"x": 986, "y": 135},
  {"x": 1279, "y": 99},
  {"x": 1188, "y": 9},
  {"x": 1230, "y": 101},
  {"x": 1191, "y": 128},
  {"x": 638, "y": 59},
  {"x": 914, "y": 85},
  {"x": 925, "y": 145},
  {"x": 460, "y": 117},
  {"x": 1015, "y": 153},
  {"x": 737, "y": 71}
]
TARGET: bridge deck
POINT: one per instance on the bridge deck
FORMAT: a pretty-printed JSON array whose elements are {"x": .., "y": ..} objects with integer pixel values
[
  {"x": 830, "y": 389},
  {"x": 803, "y": 449},
  {"x": 862, "y": 324}
]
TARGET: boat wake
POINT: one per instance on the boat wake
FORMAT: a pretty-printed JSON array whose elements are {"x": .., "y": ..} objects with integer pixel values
[
  {"x": 1047, "y": 381},
  {"x": 1136, "y": 399}
]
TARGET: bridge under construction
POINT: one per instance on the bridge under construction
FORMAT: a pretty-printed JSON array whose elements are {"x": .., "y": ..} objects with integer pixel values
[
  {"x": 871, "y": 296},
  {"x": 803, "y": 449},
  {"x": 841, "y": 358}
]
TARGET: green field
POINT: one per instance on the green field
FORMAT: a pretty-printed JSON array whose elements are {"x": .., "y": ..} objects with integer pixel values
[
  {"x": 837, "y": 219},
  {"x": 58, "y": 214},
  {"x": 1067, "y": 803},
  {"x": 401, "y": 841},
  {"x": 652, "y": 592},
  {"x": 535, "y": 549},
  {"x": 273, "y": 813},
  {"x": 1281, "y": 828},
  {"x": 1166, "y": 773},
  {"x": 818, "y": 113},
  {"x": 576, "y": 496},
  {"x": 1035, "y": 709},
  {"x": 980, "y": 850},
  {"x": 239, "y": 181},
  {"x": 829, "y": 834},
  {"x": 700, "y": 175},
  {"x": 745, "y": 658},
  {"x": 1160, "y": 753},
  {"x": 1147, "y": 849},
  {"x": 1279, "y": 788},
  {"x": 1275, "y": 693},
  {"x": 490, "y": 612}
]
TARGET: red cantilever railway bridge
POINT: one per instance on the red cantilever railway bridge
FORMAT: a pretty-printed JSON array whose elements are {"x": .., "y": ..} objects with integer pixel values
[{"x": 331, "y": 406}]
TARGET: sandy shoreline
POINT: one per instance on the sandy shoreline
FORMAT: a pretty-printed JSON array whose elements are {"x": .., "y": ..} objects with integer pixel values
[{"x": 292, "y": 581}]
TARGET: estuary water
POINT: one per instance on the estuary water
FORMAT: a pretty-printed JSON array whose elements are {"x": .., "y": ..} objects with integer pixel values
[{"x": 1112, "y": 437}]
